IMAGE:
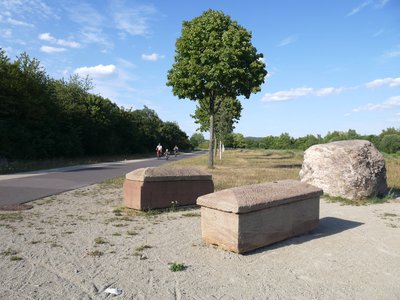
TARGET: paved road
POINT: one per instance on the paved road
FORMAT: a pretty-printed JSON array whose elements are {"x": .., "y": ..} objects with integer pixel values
[{"x": 25, "y": 187}]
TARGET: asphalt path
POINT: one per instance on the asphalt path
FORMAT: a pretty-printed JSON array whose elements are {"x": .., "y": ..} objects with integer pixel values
[{"x": 25, "y": 187}]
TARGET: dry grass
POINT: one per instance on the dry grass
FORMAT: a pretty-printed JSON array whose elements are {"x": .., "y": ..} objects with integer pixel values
[
  {"x": 242, "y": 167},
  {"x": 393, "y": 171}
]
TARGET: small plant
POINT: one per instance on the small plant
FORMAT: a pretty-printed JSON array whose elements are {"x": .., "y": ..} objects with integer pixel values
[
  {"x": 100, "y": 241},
  {"x": 120, "y": 225},
  {"x": 117, "y": 211},
  {"x": 130, "y": 232},
  {"x": 141, "y": 248},
  {"x": 116, "y": 234},
  {"x": 12, "y": 254},
  {"x": 95, "y": 253},
  {"x": 138, "y": 250},
  {"x": 15, "y": 258},
  {"x": 389, "y": 215},
  {"x": 175, "y": 267},
  {"x": 191, "y": 215},
  {"x": 174, "y": 205},
  {"x": 9, "y": 252}
]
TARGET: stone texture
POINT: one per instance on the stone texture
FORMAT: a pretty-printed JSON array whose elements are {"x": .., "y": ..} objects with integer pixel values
[
  {"x": 245, "y": 218},
  {"x": 352, "y": 169},
  {"x": 151, "y": 188}
]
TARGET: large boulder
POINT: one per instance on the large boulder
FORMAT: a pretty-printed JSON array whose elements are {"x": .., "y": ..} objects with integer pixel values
[{"x": 352, "y": 169}]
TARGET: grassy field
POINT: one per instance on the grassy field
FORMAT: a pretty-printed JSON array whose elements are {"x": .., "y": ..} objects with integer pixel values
[{"x": 241, "y": 167}]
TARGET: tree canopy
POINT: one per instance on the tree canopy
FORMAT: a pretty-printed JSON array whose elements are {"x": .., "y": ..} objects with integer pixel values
[
  {"x": 42, "y": 117},
  {"x": 215, "y": 60}
]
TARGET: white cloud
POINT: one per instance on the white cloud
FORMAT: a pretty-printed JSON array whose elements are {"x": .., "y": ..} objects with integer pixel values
[
  {"x": 6, "y": 33},
  {"x": 299, "y": 92},
  {"x": 359, "y": 8},
  {"x": 286, "y": 41},
  {"x": 49, "y": 49},
  {"x": 96, "y": 71},
  {"x": 152, "y": 57},
  {"x": 18, "y": 11},
  {"x": 392, "y": 82},
  {"x": 388, "y": 104},
  {"x": 49, "y": 38},
  {"x": 392, "y": 53},
  {"x": 15, "y": 22},
  {"x": 376, "y": 4},
  {"x": 46, "y": 37},
  {"x": 70, "y": 44},
  {"x": 133, "y": 20}
]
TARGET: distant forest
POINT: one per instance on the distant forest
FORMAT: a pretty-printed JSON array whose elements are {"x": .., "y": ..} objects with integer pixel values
[
  {"x": 42, "y": 117},
  {"x": 388, "y": 141}
]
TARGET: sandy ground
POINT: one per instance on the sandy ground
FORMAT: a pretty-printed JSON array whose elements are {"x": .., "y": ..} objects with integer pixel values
[{"x": 49, "y": 252}]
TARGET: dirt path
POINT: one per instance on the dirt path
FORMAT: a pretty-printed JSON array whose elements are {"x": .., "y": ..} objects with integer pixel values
[{"x": 77, "y": 244}]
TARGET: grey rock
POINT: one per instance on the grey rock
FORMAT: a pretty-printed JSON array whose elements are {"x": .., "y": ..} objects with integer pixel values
[{"x": 352, "y": 169}]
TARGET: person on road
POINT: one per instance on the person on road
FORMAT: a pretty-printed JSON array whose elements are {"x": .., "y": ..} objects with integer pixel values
[
  {"x": 176, "y": 149},
  {"x": 159, "y": 151},
  {"x": 166, "y": 154}
]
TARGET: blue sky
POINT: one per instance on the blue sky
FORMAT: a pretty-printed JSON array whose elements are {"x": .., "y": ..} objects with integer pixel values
[{"x": 333, "y": 65}]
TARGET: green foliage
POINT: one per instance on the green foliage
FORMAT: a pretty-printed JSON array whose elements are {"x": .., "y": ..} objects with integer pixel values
[
  {"x": 196, "y": 139},
  {"x": 44, "y": 118},
  {"x": 390, "y": 143},
  {"x": 215, "y": 61},
  {"x": 235, "y": 140}
]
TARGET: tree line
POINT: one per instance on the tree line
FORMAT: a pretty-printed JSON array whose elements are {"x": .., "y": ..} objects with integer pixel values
[
  {"x": 42, "y": 117},
  {"x": 387, "y": 141}
]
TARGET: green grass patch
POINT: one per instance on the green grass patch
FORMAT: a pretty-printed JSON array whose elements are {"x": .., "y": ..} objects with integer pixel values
[
  {"x": 177, "y": 267},
  {"x": 11, "y": 217}
]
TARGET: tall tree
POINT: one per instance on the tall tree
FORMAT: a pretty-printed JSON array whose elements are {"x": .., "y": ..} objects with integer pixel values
[{"x": 215, "y": 60}]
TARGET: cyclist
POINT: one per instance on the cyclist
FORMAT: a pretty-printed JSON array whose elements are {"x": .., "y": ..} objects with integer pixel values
[
  {"x": 159, "y": 151},
  {"x": 176, "y": 149}
]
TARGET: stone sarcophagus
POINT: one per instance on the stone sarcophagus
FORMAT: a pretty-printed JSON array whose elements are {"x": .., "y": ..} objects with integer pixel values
[
  {"x": 150, "y": 188},
  {"x": 245, "y": 218}
]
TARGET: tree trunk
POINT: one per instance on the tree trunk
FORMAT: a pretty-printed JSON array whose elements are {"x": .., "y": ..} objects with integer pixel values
[
  {"x": 211, "y": 144},
  {"x": 220, "y": 150}
]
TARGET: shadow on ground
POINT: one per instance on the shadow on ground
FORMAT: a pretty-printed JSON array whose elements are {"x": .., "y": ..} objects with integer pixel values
[{"x": 327, "y": 226}]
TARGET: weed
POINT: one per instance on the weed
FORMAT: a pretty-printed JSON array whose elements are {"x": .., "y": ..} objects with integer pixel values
[
  {"x": 117, "y": 212},
  {"x": 116, "y": 234},
  {"x": 139, "y": 250},
  {"x": 175, "y": 267},
  {"x": 120, "y": 225},
  {"x": 7, "y": 226},
  {"x": 191, "y": 215},
  {"x": 130, "y": 232},
  {"x": 100, "y": 241},
  {"x": 95, "y": 253},
  {"x": 35, "y": 242},
  {"x": 9, "y": 252},
  {"x": 389, "y": 215},
  {"x": 15, "y": 258},
  {"x": 355, "y": 202}
]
